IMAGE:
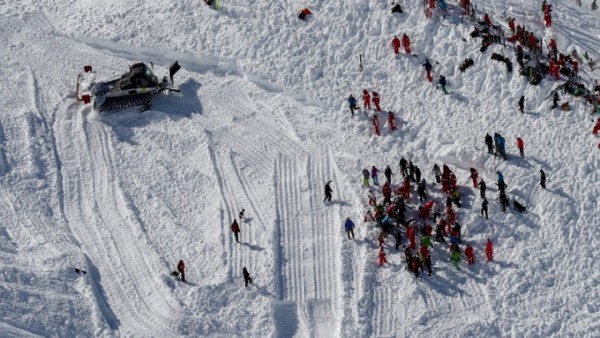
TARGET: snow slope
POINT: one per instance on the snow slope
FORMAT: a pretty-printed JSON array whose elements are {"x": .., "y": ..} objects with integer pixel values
[{"x": 261, "y": 124}]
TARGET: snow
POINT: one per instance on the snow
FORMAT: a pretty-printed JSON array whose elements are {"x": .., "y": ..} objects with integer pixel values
[{"x": 261, "y": 123}]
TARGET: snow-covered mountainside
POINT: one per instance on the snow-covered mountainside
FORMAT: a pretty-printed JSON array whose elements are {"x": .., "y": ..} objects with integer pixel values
[{"x": 262, "y": 124}]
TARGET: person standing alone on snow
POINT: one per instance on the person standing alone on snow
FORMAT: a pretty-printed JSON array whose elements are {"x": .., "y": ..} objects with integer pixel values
[
  {"x": 522, "y": 104},
  {"x": 484, "y": 208},
  {"x": 442, "y": 83},
  {"x": 181, "y": 269},
  {"x": 366, "y": 174},
  {"x": 489, "y": 250},
  {"x": 247, "y": 278},
  {"x": 521, "y": 146},
  {"x": 542, "y": 178},
  {"x": 328, "y": 192},
  {"x": 235, "y": 228},
  {"x": 349, "y": 227}
]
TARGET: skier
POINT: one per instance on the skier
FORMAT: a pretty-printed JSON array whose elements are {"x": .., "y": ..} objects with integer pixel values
[
  {"x": 375, "y": 97},
  {"x": 437, "y": 173},
  {"x": 374, "y": 172},
  {"x": 439, "y": 231},
  {"x": 386, "y": 190},
  {"x": 235, "y": 228},
  {"x": 349, "y": 226},
  {"x": 490, "y": 143},
  {"x": 406, "y": 43},
  {"x": 366, "y": 175},
  {"x": 391, "y": 120},
  {"x": 411, "y": 170},
  {"x": 388, "y": 174},
  {"x": 414, "y": 265},
  {"x": 247, "y": 278},
  {"x": 442, "y": 83},
  {"x": 396, "y": 45},
  {"x": 382, "y": 258},
  {"x": 522, "y": 103},
  {"x": 548, "y": 15},
  {"x": 555, "y": 100},
  {"x": 422, "y": 190},
  {"x": 352, "y": 104},
  {"x": 455, "y": 255},
  {"x": 484, "y": 207},
  {"x": 241, "y": 214},
  {"x": 417, "y": 174},
  {"x": 470, "y": 253},
  {"x": 366, "y": 99},
  {"x": 542, "y": 178},
  {"x": 425, "y": 258},
  {"x": 375, "y": 120},
  {"x": 372, "y": 198},
  {"x": 328, "y": 192},
  {"x": 474, "y": 176},
  {"x": 489, "y": 250},
  {"x": 428, "y": 67},
  {"x": 503, "y": 200},
  {"x": 398, "y": 237},
  {"x": 403, "y": 167},
  {"x": 482, "y": 188},
  {"x": 181, "y": 269},
  {"x": 521, "y": 146},
  {"x": 500, "y": 177}
]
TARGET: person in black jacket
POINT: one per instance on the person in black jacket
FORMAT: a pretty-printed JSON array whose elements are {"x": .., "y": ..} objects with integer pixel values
[
  {"x": 388, "y": 174},
  {"x": 482, "y": 188},
  {"x": 484, "y": 208},
  {"x": 489, "y": 141},
  {"x": 247, "y": 278},
  {"x": 522, "y": 103},
  {"x": 542, "y": 178},
  {"x": 328, "y": 192},
  {"x": 404, "y": 167}
]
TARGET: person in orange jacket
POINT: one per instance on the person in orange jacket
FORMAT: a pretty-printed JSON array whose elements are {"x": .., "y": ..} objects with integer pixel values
[
  {"x": 489, "y": 250},
  {"x": 181, "y": 269},
  {"x": 521, "y": 146},
  {"x": 235, "y": 228},
  {"x": 366, "y": 99},
  {"x": 406, "y": 43},
  {"x": 396, "y": 44}
]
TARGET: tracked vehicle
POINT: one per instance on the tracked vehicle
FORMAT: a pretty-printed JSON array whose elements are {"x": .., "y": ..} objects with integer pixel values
[{"x": 135, "y": 88}]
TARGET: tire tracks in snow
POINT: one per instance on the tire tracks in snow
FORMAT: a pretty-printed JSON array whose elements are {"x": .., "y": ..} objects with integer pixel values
[{"x": 100, "y": 216}]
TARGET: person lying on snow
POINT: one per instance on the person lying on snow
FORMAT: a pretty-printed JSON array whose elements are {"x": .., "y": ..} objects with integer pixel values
[{"x": 305, "y": 13}]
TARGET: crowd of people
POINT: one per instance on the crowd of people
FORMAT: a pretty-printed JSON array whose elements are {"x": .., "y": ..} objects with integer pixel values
[{"x": 406, "y": 209}]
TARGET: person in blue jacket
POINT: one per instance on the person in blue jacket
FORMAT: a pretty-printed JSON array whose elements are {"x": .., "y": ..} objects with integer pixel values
[
  {"x": 352, "y": 104},
  {"x": 349, "y": 226}
]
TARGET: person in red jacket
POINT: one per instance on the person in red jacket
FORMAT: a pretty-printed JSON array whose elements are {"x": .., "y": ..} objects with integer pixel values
[
  {"x": 548, "y": 15},
  {"x": 235, "y": 228},
  {"x": 387, "y": 193},
  {"x": 470, "y": 253},
  {"x": 521, "y": 146},
  {"x": 489, "y": 250},
  {"x": 406, "y": 43},
  {"x": 376, "y": 124},
  {"x": 366, "y": 99},
  {"x": 475, "y": 177},
  {"x": 411, "y": 234},
  {"x": 181, "y": 269},
  {"x": 382, "y": 258},
  {"x": 596, "y": 129},
  {"x": 396, "y": 44},
  {"x": 391, "y": 120},
  {"x": 375, "y": 97},
  {"x": 487, "y": 20}
]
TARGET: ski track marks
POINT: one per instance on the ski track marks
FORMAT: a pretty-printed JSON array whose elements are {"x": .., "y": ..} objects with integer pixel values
[
  {"x": 115, "y": 240},
  {"x": 309, "y": 241}
]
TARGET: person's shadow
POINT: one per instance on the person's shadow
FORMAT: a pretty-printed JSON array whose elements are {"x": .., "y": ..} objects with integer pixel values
[{"x": 252, "y": 246}]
